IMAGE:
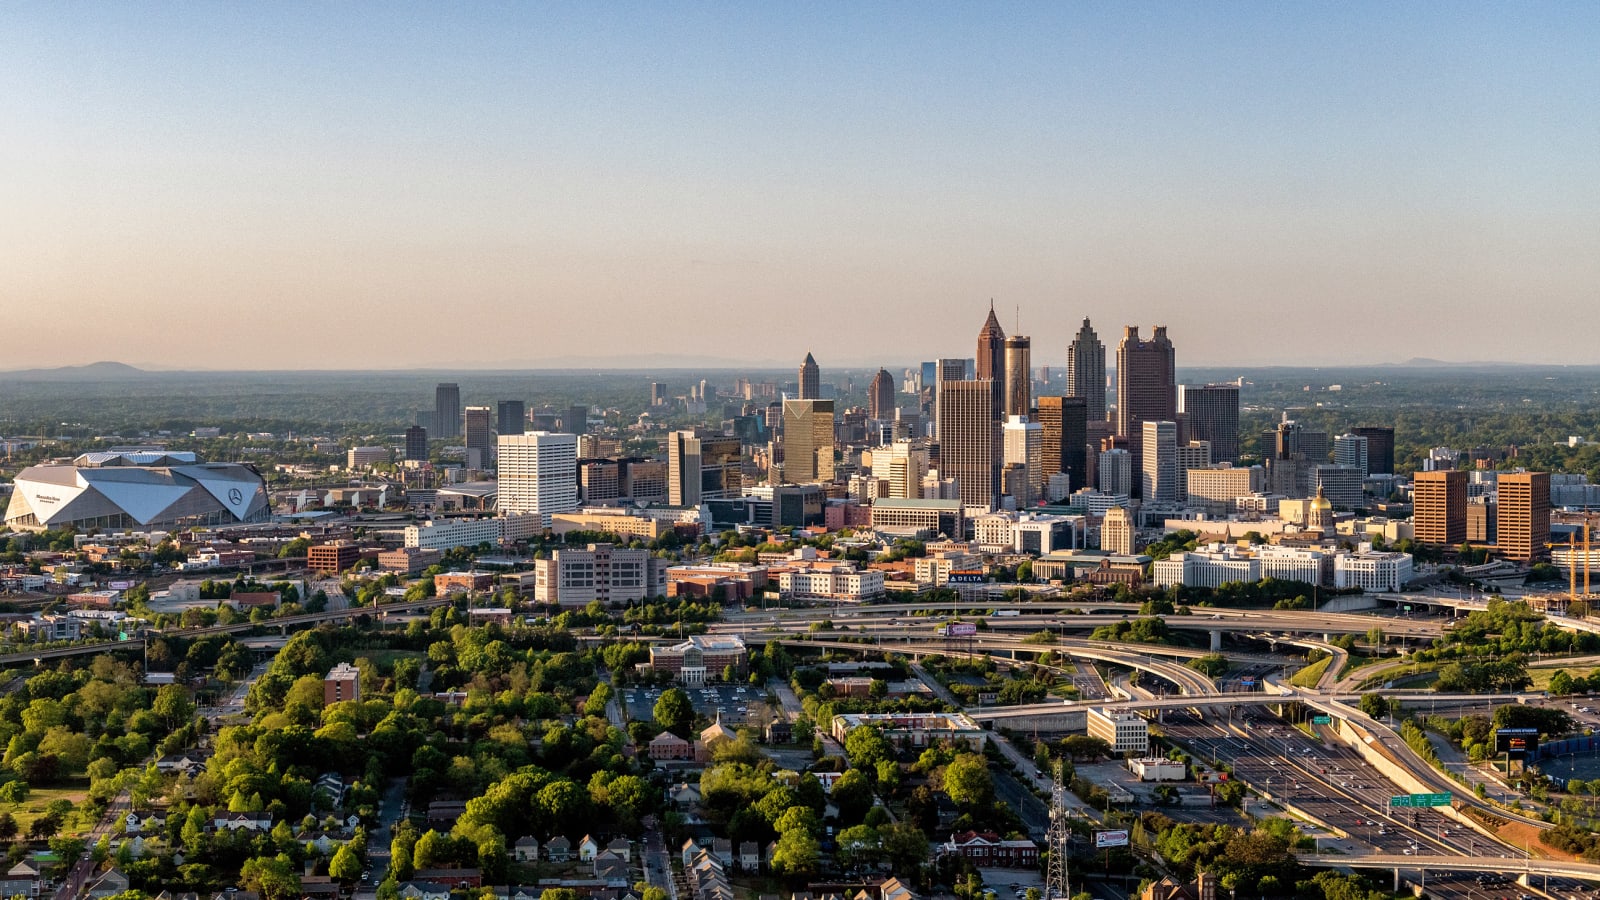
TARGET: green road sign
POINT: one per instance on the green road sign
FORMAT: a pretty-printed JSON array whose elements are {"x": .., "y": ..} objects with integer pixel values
[
  {"x": 1416, "y": 800},
  {"x": 1322, "y": 720}
]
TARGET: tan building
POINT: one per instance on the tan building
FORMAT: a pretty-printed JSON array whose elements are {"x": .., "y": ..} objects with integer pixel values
[
  {"x": 969, "y": 441},
  {"x": 807, "y": 441},
  {"x": 610, "y": 521},
  {"x": 1216, "y": 487},
  {"x": 1116, "y": 532},
  {"x": 603, "y": 572},
  {"x": 1440, "y": 507},
  {"x": 1126, "y": 731},
  {"x": 408, "y": 560},
  {"x": 1523, "y": 516}
]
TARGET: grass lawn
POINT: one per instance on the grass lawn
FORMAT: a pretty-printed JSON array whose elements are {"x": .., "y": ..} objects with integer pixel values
[
  {"x": 39, "y": 798},
  {"x": 1310, "y": 675},
  {"x": 1355, "y": 662},
  {"x": 1541, "y": 677}
]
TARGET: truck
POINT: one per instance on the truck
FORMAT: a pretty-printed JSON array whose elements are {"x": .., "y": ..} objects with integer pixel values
[{"x": 1009, "y": 612}]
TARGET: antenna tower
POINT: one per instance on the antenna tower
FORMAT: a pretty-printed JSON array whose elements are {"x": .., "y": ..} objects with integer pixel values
[{"x": 1055, "y": 885}]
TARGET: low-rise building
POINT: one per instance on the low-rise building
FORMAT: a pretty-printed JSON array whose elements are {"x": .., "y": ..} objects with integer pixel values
[
  {"x": 447, "y": 583},
  {"x": 729, "y": 582},
  {"x": 1125, "y": 730},
  {"x": 608, "y": 573},
  {"x": 332, "y": 558},
  {"x": 830, "y": 581},
  {"x": 1157, "y": 768},
  {"x": 701, "y": 657},
  {"x": 985, "y": 849},
  {"x": 916, "y": 516},
  {"x": 1372, "y": 570},
  {"x": 914, "y": 729},
  {"x": 408, "y": 561}
]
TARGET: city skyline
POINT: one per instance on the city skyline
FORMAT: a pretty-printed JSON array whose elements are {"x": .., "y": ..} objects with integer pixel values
[{"x": 245, "y": 172}]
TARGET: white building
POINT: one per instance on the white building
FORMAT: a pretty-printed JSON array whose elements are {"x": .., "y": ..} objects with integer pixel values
[
  {"x": 1097, "y": 503},
  {"x": 1351, "y": 450},
  {"x": 936, "y": 569},
  {"x": 363, "y": 457},
  {"x": 1038, "y": 533},
  {"x": 903, "y": 465},
  {"x": 448, "y": 534},
  {"x": 1344, "y": 486},
  {"x": 994, "y": 532},
  {"x": 1156, "y": 768},
  {"x": 1116, "y": 472},
  {"x": 1372, "y": 570},
  {"x": 1126, "y": 731},
  {"x": 1024, "y": 446},
  {"x": 538, "y": 473},
  {"x": 1291, "y": 564},
  {"x": 830, "y": 581},
  {"x": 1193, "y": 455},
  {"x": 1213, "y": 566},
  {"x": 603, "y": 572},
  {"x": 1159, "y": 479}
]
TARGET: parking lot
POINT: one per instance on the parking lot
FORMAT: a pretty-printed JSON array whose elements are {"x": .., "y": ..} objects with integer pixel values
[{"x": 737, "y": 704}]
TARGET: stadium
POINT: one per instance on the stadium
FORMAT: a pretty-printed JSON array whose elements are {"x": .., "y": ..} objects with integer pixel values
[{"x": 136, "y": 490}]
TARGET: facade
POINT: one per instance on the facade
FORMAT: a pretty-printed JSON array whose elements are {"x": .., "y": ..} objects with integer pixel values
[
  {"x": 914, "y": 729},
  {"x": 1380, "y": 448},
  {"x": 1019, "y": 375},
  {"x": 732, "y": 582},
  {"x": 479, "y": 436},
  {"x": 538, "y": 474},
  {"x": 1126, "y": 731},
  {"x": 136, "y": 490},
  {"x": 1216, "y": 565},
  {"x": 986, "y": 849},
  {"x": 968, "y": 441},
  {"x": 810, "y": 379},
  {"x": 945, "y": 372},
  {"x": 933, "y": 517},
  {"x": 1065, "y": 438},
  {"x": 511, "y": 417},
  {"x": 447, "y": 410},
  {"x": 1193, "y": 455},
  {"x": 1023, "y": 443},
  {"x": 343, "y": 682},
  {"x": 1086, "y": 372},
  {"x": 333, "y": 557},
  {"x": 903, "y": 465},
  {"x": 880, "y": 396},
  {"x": 1147, "y": 386},
  {"x": 1216, "y": 487},
  {"x": 807, "y": 441},
  {"x": 1351, "y": 450},
  {"x": 364, "y": 457},
  {"x": 701, "y": 657},
  {"x": 1372, "y": 570},
  {"x": 1522, "y": 516},
  {"x": 1344, "y": 486},
  {"x": 408, "y": 560},
  {"x": 448, "y": 534},
  {"x": 683, "y": 468},
  {"x": 643, "y": 480},
  {"x": 1117, "y": 532},
  {"x": 1158, "y": 480},
  {"x": 1293, "y": 564},
  {"x": 416, "y": 444},
  {"x": 1439, "y": 506},
  {"x": 830, "y": 581},
  {"x": 1211, "y": 413},
  {"x": 1115, "y": 472},
  {"x": 599, "y": 480},
  {"x": 604, "y": 572}
]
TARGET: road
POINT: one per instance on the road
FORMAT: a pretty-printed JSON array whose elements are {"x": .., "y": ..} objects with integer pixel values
[{"x": 392, "y": 807}]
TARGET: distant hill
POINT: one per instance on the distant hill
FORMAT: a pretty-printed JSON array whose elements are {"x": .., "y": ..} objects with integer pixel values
[{"x": 96, "y": 371}]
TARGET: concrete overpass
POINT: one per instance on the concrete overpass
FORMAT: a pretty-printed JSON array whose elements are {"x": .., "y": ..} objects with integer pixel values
[{"x": 1523, "y": 867}]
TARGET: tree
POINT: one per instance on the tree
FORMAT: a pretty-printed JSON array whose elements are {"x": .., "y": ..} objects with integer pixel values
[
  {"x": 673, "y": 712},
  {"x": 562, "y": 804},
  {"x": 852, "y": 793},
  {"x": 275, "y": 878},
  {"x": 860, "y": 847},
  {"x": 1561, "y": 683},
  {"x": 172, "y": 705},
  {"x": 345, "y": 865},
  {"x": 968, "y": 782},
  {"x": 1374, "y": 705},
  {"x": 8, "y": 826},
  {"x": 866, "y": 745},
  {"x": 905, "y": 846},
  {"x": 797, "y": 853}
]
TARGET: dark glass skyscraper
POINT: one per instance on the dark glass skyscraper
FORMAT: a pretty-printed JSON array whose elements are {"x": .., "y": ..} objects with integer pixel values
[
  {"x": 1380, "y": 448},
  {"x": 447, "y": 410},
  {"x": 511, "y": 417},
  {"x": 1211, "y": 413},
  {"x": 1086, "y": 371},
  {"x": 1147, "y": 386}
]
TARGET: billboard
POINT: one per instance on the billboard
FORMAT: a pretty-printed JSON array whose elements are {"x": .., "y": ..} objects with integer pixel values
[
  {"x": 1520, "y": 743},
  {"x": 1105, "y": 839},
  {"x": 961, "y": 629},
  {"x": 965, "y": 576}
]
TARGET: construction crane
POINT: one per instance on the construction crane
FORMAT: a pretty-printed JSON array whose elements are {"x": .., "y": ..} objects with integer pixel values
[{"x": 1571, "y": 546}]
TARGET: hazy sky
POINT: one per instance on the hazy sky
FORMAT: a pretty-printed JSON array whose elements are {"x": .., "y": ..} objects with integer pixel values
[{"x": 271, "y": 185}]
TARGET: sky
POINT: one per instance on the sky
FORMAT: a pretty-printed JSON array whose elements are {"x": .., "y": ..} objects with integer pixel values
[{"x": 349, "y": 185}]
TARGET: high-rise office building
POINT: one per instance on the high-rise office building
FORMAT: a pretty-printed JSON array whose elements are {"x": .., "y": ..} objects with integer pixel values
[
  {"x": 721, "y": 467},
  {"x": 903, "y": 464},
  {"x": 1159, "y": 473},
  {"x": 683, "y": 469},
  {"x": 1351, "y": 450},
  {"x": 417, "y": 444},
  {"x": 658, "y": 393},
  {"x": 1192, "y": 455},
  {"x": 810, "y": 380},
  {"x": 1086, "y": 371},
  {"x": 1147, "y": 386},
  {"x": 538, "y": 474},
  {"x": 1116, "y": 532},
  {"x": 1022, "y": 443},
  {"x": 1115, "y": 472},
  {"x": 1019, "y": 375},
  {"x": 576, "y": 421},
  {"x": 1065, "y": 438},
  {"x": 1523, "y": 516},
  {"x": 1440, "y": 507},
  {"x": 447, "y": 410},
  {"x": 1380, "y": 448},
  {"x": 880, "y": 396},
  {"x": 1211, "y": 413},
  {"x": 968, "y": 450},
  {"x": 991, "y": 363},
  {"x": 945, "y": 371},
  {"x": 807, "y": 441},
  {"x": 479, "y": 437},
  {"x": 511, "y": 417}
]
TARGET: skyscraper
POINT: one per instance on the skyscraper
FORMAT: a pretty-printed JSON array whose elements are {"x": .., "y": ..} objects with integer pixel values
[
  {"x": 1440, "y": 507},
  {"x": 683, "y": 469},
  {"x": 1065, "y": 438},
  {"x": 1211, "y": 413},
  {"x": 1023, "y": 444},
  {"x": 511, "y": 417},
  {"x": 1086, "y": 371},
  {"x": 1380, "y": 448},
  {"x": 480, "y": 437},
  {"x": 1524, "y": 516},
  {"x": 880, "y": 396},
  {"x": 810, "y": 380},
  {"x": 1351, "y": 450},
  {"x": 538, "y": 474},
  {"x": 807, "y": 441},
  {"x": 968, "y": 442},
  {"x": 991, "y": 362},
  {"x": 1116, "y": 532},
  {"x": 447, "y": 410},
  {"x": 576, "y": 420},
  {"x": 1115, "y": 472},
  {"x": 658, "y": 393},
  {"x": 1159, "y": 476},
  {"x": 945, "y": 371},
  {"x": 1019, "y": 375},
  {"x": 417, "y": 444},
  {"x": 721, "y": 467},
  {"x": 1147, "y": 386}
]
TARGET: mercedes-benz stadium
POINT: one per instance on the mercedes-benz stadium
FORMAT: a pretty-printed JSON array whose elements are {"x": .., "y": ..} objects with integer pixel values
[{"x": 120, "y": 490}]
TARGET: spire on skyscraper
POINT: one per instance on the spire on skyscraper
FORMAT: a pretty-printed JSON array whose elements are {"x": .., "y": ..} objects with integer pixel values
[{"x": 810, "y": 379}]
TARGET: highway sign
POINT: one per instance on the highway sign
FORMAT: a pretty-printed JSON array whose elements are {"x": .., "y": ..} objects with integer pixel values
[
  {"x": 1322, "y": 720},
  {"x": 1420, "y": 800},
  {"x": 1103, "y": 839}
]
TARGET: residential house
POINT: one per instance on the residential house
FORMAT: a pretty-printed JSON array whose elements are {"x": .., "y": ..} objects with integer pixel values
[
  {"x": 895, "y": 889},
  {"x": 112, "y": 883},
  {"x": 526, "y": 849},
  {"x": 722, "y": 849},
  {"x": 749, "y": 857},
  {"x": 558, "y": 849},
  {"x": 685, "y": 795},
  {"x": 780, "y": 733},
  {"x": 456, "y": 878},
  {"x": 588, "y": 849},
  {"x": 690, "y": 851},
  {"x": 619, "y": 846},
  {"x": 137, "y": 822},
  {"x": 417, "y": 890},
  {"x": 609, "y": 867},
  {"x": 248, "y": 821}
]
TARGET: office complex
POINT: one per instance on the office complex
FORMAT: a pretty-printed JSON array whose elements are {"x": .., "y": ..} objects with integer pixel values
[
  {"x": 447, "y": 410},
  {"x": 1380, "y": 448},
  {"x": 1023, "y": 444},
  {"x": 702, "y": 468},
  {"x": 416, "y": 444},
  {"x": 807, "y": 441},
  {"x": 1147, "y": 386},
  {"x": 1116, "y": 532},
  {"x": 683, "y": 469},
  {"x": 1065, "y": 438},
  {"x": 1086, "y": 371},
  {"x": 575, "y": 576},
  {"x": 1440, "y": 507},
  {"x": 1523, "y": 516},
  {"x": 880, "y": 396},
  {"x": 810, "y": 380},
  {"x": 511, "y": 417},
  {"x": 1115, "y": 472},
  {"x": 479, "y": 436},
  {"x": 968, "y": 450},
  {"x": 1211, "y": 413},
  {"x": 538, "y": 474},
  {"x": 1019, "y": 376},
  {"x": 576, "y": 420}
]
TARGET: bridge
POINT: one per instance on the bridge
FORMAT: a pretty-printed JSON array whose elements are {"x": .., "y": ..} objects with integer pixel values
[{"x": 1510, "y": 866}]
